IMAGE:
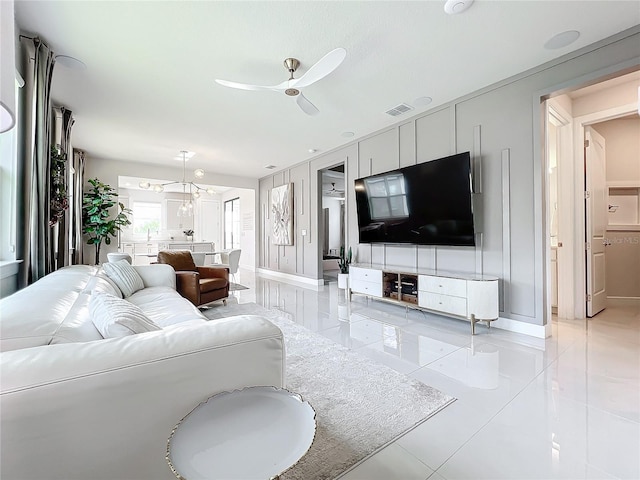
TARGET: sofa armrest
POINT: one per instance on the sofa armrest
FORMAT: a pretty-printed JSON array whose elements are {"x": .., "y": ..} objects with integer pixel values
[
  {"x": 157, "y": 275},
  {"x": 188, "y": 285},
  {"x": 214, "y": 272},
  {"x": 104, "y": 409}
]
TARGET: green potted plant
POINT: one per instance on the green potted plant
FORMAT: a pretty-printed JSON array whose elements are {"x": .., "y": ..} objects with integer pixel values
[
  {"x": 343, "y": 263},
  {"x": 96, "y": 212}
]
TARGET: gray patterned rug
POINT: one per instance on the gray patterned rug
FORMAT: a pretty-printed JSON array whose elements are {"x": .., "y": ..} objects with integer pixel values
[{"x": 361, "y": 406}]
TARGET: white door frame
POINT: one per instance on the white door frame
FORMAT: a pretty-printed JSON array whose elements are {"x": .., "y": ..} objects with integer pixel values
[
  {"x": 580, "y": 289},
  {"x": 566, "y": 193}
]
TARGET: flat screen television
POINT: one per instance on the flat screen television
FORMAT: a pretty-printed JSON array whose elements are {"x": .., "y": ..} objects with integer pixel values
[{"x": 424, "y": 204}]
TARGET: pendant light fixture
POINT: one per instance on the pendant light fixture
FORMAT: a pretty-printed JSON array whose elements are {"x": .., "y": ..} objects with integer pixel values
[{"x": 186, "y": 209}]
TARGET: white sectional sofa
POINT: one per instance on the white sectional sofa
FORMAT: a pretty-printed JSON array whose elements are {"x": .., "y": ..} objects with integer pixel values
[{"x": 76, "y": 406}]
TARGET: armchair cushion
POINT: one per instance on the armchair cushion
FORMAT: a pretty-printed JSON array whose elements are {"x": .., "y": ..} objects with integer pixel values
[
  {"x": 211, "y": 284},
  {"x": 180, "y": 260}
]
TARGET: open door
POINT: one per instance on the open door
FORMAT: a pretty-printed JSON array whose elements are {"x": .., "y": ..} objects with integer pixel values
[{"x": 596, "y": 220}]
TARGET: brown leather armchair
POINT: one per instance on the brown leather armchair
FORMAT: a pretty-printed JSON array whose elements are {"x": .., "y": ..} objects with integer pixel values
[{"x": 199, "y": 285}]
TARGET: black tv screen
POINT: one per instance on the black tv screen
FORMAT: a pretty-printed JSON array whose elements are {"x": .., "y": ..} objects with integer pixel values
[{"x": 425, "y": 204}]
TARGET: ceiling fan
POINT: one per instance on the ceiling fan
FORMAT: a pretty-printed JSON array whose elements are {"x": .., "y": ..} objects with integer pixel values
[
  {"x": 292, "y": 86},
  {"x": 333, "y": 191}
]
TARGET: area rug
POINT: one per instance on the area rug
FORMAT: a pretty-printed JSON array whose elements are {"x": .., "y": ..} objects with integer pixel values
[
  {"x": 361, "y": 406},
  {"x": 236, "y": 286}
]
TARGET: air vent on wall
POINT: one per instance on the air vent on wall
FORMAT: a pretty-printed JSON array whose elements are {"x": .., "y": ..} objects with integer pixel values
[{"x": 399, "y": 110}]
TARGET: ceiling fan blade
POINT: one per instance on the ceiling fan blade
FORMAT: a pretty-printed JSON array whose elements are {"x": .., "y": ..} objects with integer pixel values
[
  {"x": 321, "y": 68},
  {"x": 306, "y": 106},
  {"x": 256, "y": 88}
]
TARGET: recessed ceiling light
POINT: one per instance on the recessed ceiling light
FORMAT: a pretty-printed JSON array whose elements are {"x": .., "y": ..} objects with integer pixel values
[
  {"x": 70, "y": 62},
  {"x": 422, "y": 101},
  {"x": 562, "y": 40},
  {"x": 347, "y": 134},
  {"x": 313, "y": 150},
  {"x": 453, "y": 7},
  {"x": 270, "y": 167}
]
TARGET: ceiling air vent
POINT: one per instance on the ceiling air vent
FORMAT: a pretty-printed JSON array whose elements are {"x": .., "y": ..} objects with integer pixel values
[{"x": 399, "y": 110}]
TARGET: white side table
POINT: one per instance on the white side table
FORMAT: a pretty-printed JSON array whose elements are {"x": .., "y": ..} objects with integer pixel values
[{"x": 254, "y": 433}]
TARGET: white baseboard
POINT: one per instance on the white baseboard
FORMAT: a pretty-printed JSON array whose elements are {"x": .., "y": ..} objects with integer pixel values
[
  {"x": 291, "y": 278},
  {"x": 538, "y": 331},
  {"x": 623, "y": 301}
]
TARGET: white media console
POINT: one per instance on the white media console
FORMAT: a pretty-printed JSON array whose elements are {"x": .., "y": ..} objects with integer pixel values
[{"x": 468, "y": 296}]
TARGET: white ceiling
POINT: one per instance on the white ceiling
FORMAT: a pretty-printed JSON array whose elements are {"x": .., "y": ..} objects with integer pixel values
[{"x": 148, "y": 90}]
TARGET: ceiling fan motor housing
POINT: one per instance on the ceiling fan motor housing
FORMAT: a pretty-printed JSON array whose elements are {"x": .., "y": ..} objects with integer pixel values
[{"x": 291, "y": 64}]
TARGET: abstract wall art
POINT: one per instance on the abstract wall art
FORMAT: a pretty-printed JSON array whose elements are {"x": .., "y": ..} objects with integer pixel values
[{"x": 282, "y": 213}]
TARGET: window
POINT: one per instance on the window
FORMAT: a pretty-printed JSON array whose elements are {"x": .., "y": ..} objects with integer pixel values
[
  {"x": 146, "y": 217},
  {"x": 232, "y": 224},
  {"x": 387, "y": 196}
]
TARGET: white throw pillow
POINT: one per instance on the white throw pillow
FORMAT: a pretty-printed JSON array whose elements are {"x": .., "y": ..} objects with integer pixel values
[
  {"x": 115, "y": 317},
  {"x": 125, "y": 276}
]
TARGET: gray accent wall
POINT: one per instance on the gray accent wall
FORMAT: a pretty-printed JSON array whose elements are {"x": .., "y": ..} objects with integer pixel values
[{"x": 502, "y": 127}]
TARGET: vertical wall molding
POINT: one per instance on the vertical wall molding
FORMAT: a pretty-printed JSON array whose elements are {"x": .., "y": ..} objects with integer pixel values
[
  {"x": 415, "y": 143},
  {"x": 309, "y": 222},
  {"x": 476, "y": 162},
  {"x": 453, "y": 113},
  {"x": 479, "y": 249},
  {"x": 506, "y": 230}
]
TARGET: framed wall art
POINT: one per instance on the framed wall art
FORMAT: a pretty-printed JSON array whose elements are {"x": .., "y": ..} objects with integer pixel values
[{"x": 282, "y": 212}]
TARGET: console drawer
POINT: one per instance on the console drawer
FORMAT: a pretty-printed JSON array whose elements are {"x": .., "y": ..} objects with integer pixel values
[
  {"x": 365, "y": 274},
  {"x": 443, "y": 285},
  {"x": 368, "y": 288},
  {"x": 443, "y": 303}
]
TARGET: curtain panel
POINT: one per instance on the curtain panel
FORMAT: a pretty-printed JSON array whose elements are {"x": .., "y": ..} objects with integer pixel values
[
  {"x": 75, "y": 206},
  {"x": 34, "y": 236},
  {"x": 62, "y": 123}
]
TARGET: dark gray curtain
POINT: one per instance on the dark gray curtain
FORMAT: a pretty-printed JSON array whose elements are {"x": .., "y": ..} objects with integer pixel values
[
  {"x": 75, "y": 206},
  {"x": 62, "y": 123},
  {"x": 34, "y": 140}
]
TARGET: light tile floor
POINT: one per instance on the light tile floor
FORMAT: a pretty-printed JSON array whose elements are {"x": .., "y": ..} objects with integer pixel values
[{"x": 565, "y": 407}]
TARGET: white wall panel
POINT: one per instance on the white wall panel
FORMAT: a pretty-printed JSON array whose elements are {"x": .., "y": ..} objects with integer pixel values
[
  {"x": 427, "y": 256},
  {"x": 401, "y": 255},
  {"x": 457, "y": 259},
  {"x": 408, "y": 144},
  {"x": 433, "y": 135},
  {"x": 381, "y": 152}
]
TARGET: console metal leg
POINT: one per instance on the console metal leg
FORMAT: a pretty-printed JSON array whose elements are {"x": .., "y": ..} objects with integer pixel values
[{"x": 473, "y": 324}]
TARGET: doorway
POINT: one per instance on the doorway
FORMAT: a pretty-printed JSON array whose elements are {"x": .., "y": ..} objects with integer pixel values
[
  {"x": 332, "y": 215},
  {"x": 578, "y": 194}
]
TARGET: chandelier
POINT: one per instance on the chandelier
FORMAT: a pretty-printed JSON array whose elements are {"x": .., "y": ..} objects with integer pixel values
[{"x": 186, "y": 209}]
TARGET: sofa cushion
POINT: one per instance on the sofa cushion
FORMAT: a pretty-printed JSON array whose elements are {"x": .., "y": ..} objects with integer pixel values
[
  {"x": 164, "y": 306},
  {"x": 102, "y": 283},
  {"x": 125, "y": 276},
  {"x": 115, "y": 317},
  {"x": 211, "y": 284},
  {"x": 31, "y": 316}
]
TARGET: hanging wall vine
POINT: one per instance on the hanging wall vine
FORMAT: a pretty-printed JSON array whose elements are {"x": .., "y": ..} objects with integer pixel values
[{"x": 58, "y": 185}]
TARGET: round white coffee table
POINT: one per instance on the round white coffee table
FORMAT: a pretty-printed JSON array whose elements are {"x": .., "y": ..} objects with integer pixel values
[{"x": 254, "y": 433}]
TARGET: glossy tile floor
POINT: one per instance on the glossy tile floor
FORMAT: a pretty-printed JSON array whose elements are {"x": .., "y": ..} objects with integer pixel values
[{"x": 565, "y": 407}]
